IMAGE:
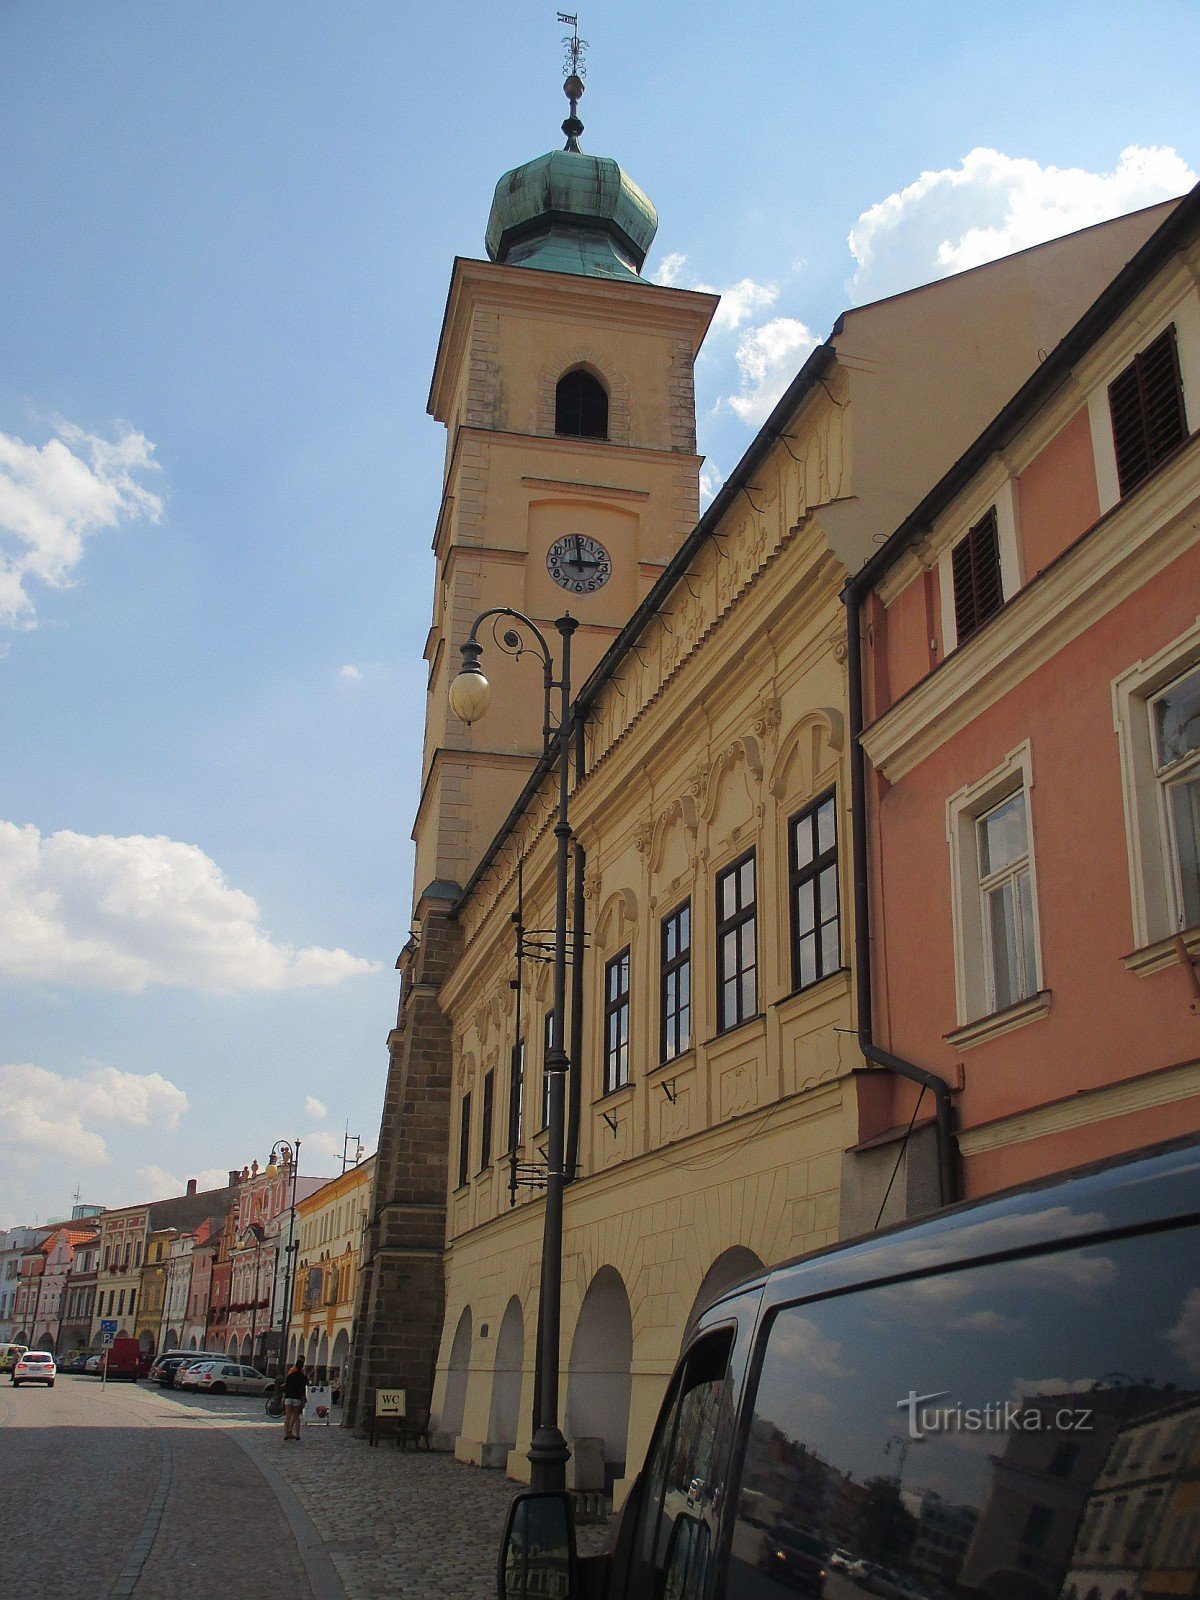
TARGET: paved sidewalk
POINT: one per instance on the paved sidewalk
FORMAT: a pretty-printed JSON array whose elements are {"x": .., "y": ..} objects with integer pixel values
[{"x": 395, "y": 1522}]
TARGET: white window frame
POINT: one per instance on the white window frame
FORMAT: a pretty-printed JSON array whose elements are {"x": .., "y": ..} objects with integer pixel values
[
  {"x": 973, "y": 979},
  {"x": 1153, "y": 891},
  {"x": 1007, "y": 527},
  {"x": 1185, "y": 314},
  {"x": 988, "y": 882}
]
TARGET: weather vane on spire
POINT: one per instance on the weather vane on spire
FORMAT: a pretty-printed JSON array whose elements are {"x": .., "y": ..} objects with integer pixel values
[{"x": 574, "y": 48}]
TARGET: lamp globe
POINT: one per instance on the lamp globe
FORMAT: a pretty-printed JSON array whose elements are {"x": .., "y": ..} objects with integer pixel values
[{"x": 470, "y": 695}]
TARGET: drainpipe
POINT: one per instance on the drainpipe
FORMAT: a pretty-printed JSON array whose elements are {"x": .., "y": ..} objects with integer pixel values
[
  {"x": 947, "y": 1144},
  {"x": 575, "y": 1078}
]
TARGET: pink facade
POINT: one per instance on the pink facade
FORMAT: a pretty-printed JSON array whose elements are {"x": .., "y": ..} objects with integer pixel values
[{"x": 1033, "y": 803}]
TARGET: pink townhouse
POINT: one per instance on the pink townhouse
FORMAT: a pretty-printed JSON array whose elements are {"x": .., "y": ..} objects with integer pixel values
[{"x": 1024, "y": 653}]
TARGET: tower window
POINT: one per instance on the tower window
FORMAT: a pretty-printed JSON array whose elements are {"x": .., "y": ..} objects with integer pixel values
[{"x": 581, "y": 406}]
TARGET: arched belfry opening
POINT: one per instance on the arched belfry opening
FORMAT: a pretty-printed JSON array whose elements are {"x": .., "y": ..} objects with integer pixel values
[{"x": 581, "y": 405}]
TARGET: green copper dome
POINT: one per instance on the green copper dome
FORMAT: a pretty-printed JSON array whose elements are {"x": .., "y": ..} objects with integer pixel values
[{"x": 570, "y": 212}]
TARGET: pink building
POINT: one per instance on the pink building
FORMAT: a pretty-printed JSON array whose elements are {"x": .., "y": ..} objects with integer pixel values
[
  {"x": 256, "y": 1239},
  {"x": 1030, "y": 763}
]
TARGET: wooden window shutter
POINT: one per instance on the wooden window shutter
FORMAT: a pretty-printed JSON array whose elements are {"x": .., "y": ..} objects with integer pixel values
[
  {"x": 975, "y": 560},
  {"x": 1146, "y": 403}
]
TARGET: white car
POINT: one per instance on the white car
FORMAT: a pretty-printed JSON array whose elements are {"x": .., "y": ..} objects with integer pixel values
[
  {"x": 225, "y": 1377},
  {"x": 35, "y": 1366},
  {"x": 186, "y": 1375}
]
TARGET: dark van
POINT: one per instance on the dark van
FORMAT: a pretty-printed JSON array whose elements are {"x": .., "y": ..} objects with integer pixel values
[{"x": 999, "y": 1403}]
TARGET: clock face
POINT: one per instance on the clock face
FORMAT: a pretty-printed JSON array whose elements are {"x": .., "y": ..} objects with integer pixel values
[{"x": 578, "y": 564}]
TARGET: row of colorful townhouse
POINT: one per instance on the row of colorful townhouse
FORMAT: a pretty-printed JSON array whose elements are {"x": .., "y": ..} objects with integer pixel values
[{"x": 205, "y": 1270}]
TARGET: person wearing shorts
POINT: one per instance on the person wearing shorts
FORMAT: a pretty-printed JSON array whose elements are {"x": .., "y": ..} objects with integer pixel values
[{"x": 295, "y": 1393}]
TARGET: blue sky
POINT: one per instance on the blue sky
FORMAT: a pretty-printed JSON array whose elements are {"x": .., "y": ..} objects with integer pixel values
[{"x": 225, "y": 241}]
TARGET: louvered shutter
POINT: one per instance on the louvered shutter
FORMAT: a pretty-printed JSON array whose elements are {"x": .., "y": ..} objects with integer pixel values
[
  {"x": 1146, "y": 403},
  {"x": 975, "y": 561}
]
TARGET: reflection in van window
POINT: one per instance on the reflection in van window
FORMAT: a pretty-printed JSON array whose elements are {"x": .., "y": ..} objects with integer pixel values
[
  {"x": 682, "y": 1505},
  {"x": 1022, "y": 1431}
]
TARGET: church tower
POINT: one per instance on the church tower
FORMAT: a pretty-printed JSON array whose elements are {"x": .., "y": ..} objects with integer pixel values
[{"x": 564, "y": 380}]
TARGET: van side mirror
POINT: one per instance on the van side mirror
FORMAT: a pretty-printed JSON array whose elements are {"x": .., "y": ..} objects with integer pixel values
[{"x": 537, "y": 1558}]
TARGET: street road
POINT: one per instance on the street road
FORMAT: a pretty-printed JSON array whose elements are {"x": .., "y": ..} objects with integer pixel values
[{"x": 125, "y": 1491}]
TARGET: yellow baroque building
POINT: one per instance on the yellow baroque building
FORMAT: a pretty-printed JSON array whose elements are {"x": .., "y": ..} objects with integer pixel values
[
  {"x": 716, "y": 1073},
  {"x": 329, "y": 1234}
]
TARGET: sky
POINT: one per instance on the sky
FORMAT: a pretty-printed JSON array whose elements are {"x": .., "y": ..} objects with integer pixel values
[{"x": 226, "y": 235}]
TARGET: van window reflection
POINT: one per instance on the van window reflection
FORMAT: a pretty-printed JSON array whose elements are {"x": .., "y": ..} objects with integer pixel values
[{"x": 1022, "y": 1431}]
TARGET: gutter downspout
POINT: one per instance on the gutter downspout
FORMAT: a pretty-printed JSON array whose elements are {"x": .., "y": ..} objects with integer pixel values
[{"x": 947, "y": 1143}]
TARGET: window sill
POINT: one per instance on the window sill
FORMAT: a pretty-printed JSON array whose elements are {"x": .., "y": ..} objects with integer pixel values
[
  {"x": 610, "y": 1095},
  {"x": 734, "y": 1027},
  {"x": 683, "y": 1062},
  {"x": 1162, "y": 953},
  {"x": 835, "y": 982},
  {"x": 990, "y": 1027}
]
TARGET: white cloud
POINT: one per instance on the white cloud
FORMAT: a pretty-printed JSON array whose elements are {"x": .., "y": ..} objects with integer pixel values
[
  {"x": 109, "y": 913},
  {"x": 738, "y": 301},
  {"x": 155, "y": 1183},
  {"x": 53, "y": 497},
  {"x": 1185, "y": 1335},
  {"x": 769, "y": 358},
  {"x": 711, "y": 479},
  {"x": 42, "y": 1110},
  {"x": 350, "y": 674},
  {"x": 992, "y": 204},
  {"x": 318, "y": 1143},
  {"x": 314, "y": 1108}
]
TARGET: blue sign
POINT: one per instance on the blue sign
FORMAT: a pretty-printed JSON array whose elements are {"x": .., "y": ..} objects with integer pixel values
[{"x": 108, "y": 1325}]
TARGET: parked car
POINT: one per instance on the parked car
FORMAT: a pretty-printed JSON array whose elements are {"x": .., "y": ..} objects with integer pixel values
[
  {"x": 795, "y": 1558},
  {"x": 74, "y": 1361},
  {"x": 91, "y": 1367},
  {"x": 228, "y": 1377},
  {"x": 171, "y": 1362},
  {"x": 1034, "y": 1349},
  {"x": 187, "y": 1373},
  {"x": 9, "y": 1354},
  {"x": 841, "y": 1560},
  {"x": 35, "y": 1366}
]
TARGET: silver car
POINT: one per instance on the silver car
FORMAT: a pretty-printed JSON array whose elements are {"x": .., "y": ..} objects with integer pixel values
[{"x": 226, "y": 1377}]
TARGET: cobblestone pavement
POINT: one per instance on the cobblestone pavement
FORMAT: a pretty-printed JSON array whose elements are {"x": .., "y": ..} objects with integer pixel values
[
  {"x": 396, "y": 1522},
  {"x": 109, "y": 1493},
  {"x": 143, "y": 1492}
]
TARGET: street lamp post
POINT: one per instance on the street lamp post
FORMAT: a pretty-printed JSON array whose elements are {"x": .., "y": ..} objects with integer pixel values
[
  {"x": 289, "y": 1156},
  {"x": 470, "y": 694}
]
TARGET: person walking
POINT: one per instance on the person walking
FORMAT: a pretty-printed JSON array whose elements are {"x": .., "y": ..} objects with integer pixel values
[{"x": 295, "y": 1393}]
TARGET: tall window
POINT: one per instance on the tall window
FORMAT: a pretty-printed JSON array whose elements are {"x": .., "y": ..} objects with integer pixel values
[
  {"x": 464, "y": 1140},
  {"x": 1146, "y": 403},
  {"x": 737, "y": 943},
  {"x": 1006, "y": 900},
  {"x": 581, "y": 406},
  {"x": 816, "y": 934},
  {"x": 975, "y": 562},
  {"x": 516, "y": 1095},
  {"x": 547, "y": 1041},
  {"x": 675, "y": 1017},
  {"x": 616, "y": 1021},
  {"x": 1175, "y": 725},
  {"x": 485, "y": 1121}
]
